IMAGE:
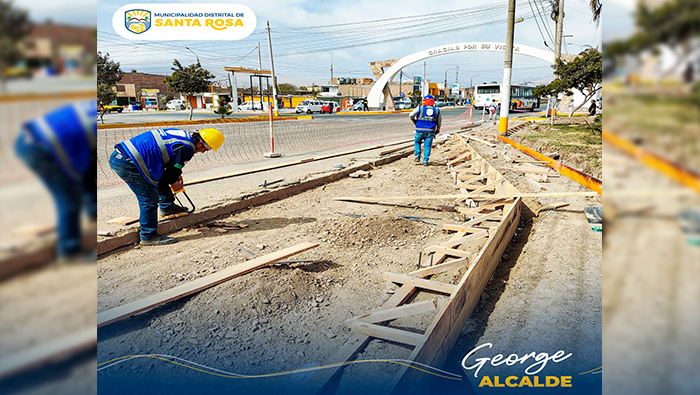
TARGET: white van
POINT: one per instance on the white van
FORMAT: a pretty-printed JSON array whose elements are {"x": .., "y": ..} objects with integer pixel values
[
  {"x": 309, "y": 106},
  {"x": 176, "y": 104},
  {"x": 253, "y": 105}
]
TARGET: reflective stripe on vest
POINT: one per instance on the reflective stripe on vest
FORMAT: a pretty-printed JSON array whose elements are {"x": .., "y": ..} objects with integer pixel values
[
  {"x": 138, "y": 159},
  {"x": 153, "y": 151},
  {"x": 57, "y": 147}
]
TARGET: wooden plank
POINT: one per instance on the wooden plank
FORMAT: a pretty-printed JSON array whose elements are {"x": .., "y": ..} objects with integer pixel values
[
  {"x": 460, "y": 228},
  {"x": 466, "y": 165},
  {"x": 121, "y": 312},
  {"x": 452, "y": 243},
  {"x": 387, "y": 333},
  {"x": 399, "y": 312},
  {"x": 420, "y": 283},
  {"x": 352, "y": 346},
  {"x": 470, "y": 188},
  {"x": 444, "y": 331},
  {"x": 531, "y": 170},
  {"x": 460, "y": 158},
  {"x": 491, "y": 185},
  {"x": 508, "y": 158},
  {"x": 123, "y": 221},
  {"x": 471, "y": 138},
  {"x": 449, "y": 251},
  {"x": 537, "y": 177},
  {"x": 471, "y": 180},
  {"x": 443, "y": 267},
  {"x": 535, "y": 184},
  {"x": 49, "y": 352},
  {"x": 471, "y": 196},
  {"x": 496, "y": 215}
]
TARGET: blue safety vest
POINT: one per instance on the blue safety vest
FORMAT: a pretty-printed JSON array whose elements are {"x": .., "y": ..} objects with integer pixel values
[
  {"x": 152, "y": 151},
  {"x": 69, "y": 134},
  {"x": 426, "y": 121}
]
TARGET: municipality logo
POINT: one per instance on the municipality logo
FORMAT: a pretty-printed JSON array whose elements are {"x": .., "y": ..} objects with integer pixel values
[{"x": 137, "y": 21}]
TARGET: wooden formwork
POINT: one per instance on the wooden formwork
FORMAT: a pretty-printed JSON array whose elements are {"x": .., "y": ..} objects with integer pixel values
[{"x": 496, "y": 220}]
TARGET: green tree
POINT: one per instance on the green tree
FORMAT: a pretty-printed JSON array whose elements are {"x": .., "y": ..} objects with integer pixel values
[
  {"x": 108, "y": 74},
  {"x": 673, "y": 23},
  {"x": 286, "y": 89},
  {"x": 189, "y": 80},
  {"x": 14, "y": 26},
  {"x": 416, "y": 98},
  {"x": 223, "y": 109},
  {"x": 584, "y": 73}
]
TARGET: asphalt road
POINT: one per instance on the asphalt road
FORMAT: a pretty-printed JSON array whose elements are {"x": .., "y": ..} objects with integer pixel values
[{"x": 129, "y": 117}]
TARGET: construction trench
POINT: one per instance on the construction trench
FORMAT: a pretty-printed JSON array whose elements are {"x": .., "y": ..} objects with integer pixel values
[{"x": 388, "y": 281}]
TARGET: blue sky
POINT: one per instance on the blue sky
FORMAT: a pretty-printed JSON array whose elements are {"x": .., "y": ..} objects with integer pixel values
[{"x": 157, "y": 57}]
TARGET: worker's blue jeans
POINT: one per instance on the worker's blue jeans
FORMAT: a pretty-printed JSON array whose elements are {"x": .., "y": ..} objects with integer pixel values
[
  {"x": 427, "y": 140},
  {"x": 70, "y": 196},
  {"x": 149, "y": 196}
]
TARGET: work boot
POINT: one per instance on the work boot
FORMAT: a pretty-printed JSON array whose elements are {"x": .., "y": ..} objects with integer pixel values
[
  {"x": 416, "y": 159},
  {"x": 158, "y": 241},
  {"x": 173, "y": 209},
  {"x": 425, "y": 163}
]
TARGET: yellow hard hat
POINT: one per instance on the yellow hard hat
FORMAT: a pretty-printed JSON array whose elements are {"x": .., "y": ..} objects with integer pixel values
[{"x": 213, "y": 138}]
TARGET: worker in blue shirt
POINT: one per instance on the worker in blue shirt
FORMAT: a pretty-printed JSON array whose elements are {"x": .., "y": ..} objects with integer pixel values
[
  {"x": 151, "y": 164},
  {"x": 60, "y": 148},
  {"x": 427, "y": 120}
]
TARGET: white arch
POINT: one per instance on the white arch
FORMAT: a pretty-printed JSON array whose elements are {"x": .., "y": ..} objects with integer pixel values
[{"x": 375, "y": 97}]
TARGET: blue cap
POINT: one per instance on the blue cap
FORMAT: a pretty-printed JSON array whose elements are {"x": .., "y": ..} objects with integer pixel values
[{"x": 428, "y": 97}]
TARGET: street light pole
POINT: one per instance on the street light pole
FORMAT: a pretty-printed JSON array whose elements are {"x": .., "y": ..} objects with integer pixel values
[
  {"x": 195, "y": 55},
  {"x": 507, "y": 70},
  {"x": 471, "y": 87},
  {"x": 444, "y": 97}
]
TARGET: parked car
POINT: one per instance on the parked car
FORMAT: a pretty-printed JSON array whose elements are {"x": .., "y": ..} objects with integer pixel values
[
  {"x": 440, "y": 104},
  {"x": 138, "y": 105},
  {"x": 309, "y": 106},
  {"x": 176, "y": 104},
  {"x": 251, "y": 105},
  {"x": 358, "y": 106},
  {"x": 113, "y": 107},
  {"x": 403, "y": 104}
]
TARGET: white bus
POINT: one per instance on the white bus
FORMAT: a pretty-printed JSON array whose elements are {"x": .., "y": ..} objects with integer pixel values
[{"x": 520, "y": 96}]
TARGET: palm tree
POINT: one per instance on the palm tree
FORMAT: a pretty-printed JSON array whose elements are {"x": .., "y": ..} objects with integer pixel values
[{"x": 596, "y": 6}]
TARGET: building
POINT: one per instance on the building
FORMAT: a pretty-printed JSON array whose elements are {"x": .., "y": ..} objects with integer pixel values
[
  {"x": 135, "y": 87},
  {"x": 59, "y": 49}
]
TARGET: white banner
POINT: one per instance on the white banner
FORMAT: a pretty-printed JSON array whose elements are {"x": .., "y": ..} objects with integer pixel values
[{"x": 184, "y": 21}]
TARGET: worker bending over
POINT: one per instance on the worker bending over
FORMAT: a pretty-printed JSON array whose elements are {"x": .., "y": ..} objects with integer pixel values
[
  {"x": 151, "y": 163},
  {"x": 427, "y": 120}
]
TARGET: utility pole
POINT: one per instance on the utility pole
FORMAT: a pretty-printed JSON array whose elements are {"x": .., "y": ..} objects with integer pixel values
[
  {"x": 507, "y": 70},
  {"x": 557, "y": 48},
  {"x": 400, "y": 82},
  {"x": 422, "y": 84},
  {"x": 331, "y": 80},
  {"x": 272, "y": 154},
  {"x": 560, "y": 29}
]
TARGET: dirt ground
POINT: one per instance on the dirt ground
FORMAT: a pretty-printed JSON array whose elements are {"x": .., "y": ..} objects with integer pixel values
[{"x": 291, "y": 315}]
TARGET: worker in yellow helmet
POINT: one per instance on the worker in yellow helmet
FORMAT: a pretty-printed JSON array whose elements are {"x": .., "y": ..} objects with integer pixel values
[{"x": 151, "y": 163}]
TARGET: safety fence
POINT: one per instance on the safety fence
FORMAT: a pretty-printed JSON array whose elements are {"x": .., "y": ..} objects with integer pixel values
[
  {"x": 15, "y": 110},
  {"x": 246, "y": 141}
]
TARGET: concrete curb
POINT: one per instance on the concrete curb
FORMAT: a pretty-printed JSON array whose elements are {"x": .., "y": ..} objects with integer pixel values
[{"x": 132, "y": 236}]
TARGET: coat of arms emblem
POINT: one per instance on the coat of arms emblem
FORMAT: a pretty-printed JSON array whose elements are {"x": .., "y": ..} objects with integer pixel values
[{"x": 137, "y": 21}]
